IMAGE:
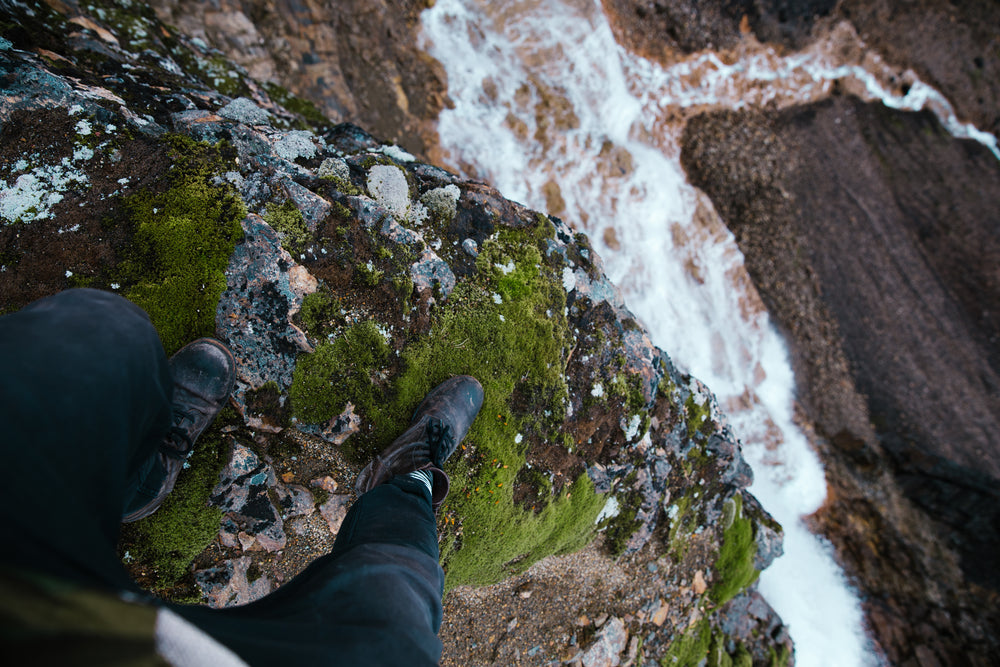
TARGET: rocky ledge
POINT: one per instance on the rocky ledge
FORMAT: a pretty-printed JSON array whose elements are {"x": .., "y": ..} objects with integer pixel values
[{"x": 349, "y": 279}]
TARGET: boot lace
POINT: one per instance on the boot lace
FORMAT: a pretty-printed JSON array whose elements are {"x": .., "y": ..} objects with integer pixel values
[
  {"x": 441, "y": 439},
  {"x": 178, "y": 443}
]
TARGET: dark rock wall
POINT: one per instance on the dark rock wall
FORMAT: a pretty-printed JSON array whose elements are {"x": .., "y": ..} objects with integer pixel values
[
  {"x": 874, "y": 238},
  {"x": 658, "y": 29},
  {"x": 953, "y": 46}
]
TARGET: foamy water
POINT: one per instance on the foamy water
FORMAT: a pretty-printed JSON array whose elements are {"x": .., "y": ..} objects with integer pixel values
[{"x": 554, "y": 113}]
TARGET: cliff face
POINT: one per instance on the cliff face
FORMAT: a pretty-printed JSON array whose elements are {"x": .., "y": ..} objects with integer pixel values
[
  {"x": 952, "y": 46},
  {"x": 872, "y": 235},
  {"x": 357, "y": 61},
  {"x": 349, "y": 279}
]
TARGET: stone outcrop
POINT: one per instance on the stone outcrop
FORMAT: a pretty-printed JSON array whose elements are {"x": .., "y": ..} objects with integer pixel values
[
  {"x": 872, "y": 236},
  {"x": 350, "y": 278}
]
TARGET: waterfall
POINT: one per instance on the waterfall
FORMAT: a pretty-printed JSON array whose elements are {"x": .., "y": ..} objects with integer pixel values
[{"x": 553, "y": 112}]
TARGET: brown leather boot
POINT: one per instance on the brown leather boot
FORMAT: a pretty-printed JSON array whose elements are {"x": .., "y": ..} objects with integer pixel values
[
  {"x": 204, "y": 373},
  {"x": 438, "y": 425}
]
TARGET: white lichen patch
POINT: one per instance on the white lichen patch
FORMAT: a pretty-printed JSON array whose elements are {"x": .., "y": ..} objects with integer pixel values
[
  {"x": 295, "y": 144},
  {"x": 83, "y": 127},
  {"x": 244, "y": 110},
  {"x": 417, "y": 215},
  {"x": 568, "y": 279},
  {"x": 505, "y": 268},
  {"x": 397, "y": 153},
  {"x": 80, "y": 154},
  {"x": 497, "y": 299},
  {"x": 518, "y": 439},
  {"x": 32, "y": 195},
  {"x": 443, "y": 202},
  {"x": 334, "y": 167},
  {"x": 597, "y": 390},
  {"x": 609, "y": 511},
  {"x": 387, "y": 185},
  {"x": 632, "y": 429}
]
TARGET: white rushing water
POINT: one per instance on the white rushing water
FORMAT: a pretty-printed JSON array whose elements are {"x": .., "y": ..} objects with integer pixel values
[{"x": 549, "y": 109}]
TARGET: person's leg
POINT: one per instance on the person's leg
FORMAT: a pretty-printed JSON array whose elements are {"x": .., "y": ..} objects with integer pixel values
[
  {"x": 85, "y": 398},
  {"x": 374, "y": 599}
]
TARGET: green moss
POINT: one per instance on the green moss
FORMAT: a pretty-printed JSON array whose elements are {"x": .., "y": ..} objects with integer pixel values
[
  {"x": 223, "y": 75},
  {"x": 297, "y": 105},
  {"x": 700, "y": 645},
  {"x": 717, "y": 655},
  {"x": 339, "y": 210},
  {"x": 629, "y": 387},
  {"x": 168, "y": 541},
  {"x": 681, "y": 527},
  {"x": 518, "y": 346},
  {"x": 320, "y": 312},
  {"x": 320, "y": 496},
  {"x": 345, "y": 187},
  {"x": 734, "y": 569},
  {"x": 620, "y": 529},
  {"x": 368, "y": 275},
  {"x": 742, "y": 657},
  {"x": 404, "y": 287},
  {"x": 778, "y": 658},
  {"x": 287, "y": 220},
  {"x": 689, "y": 649},
  {"x": 338, "y": 372},
  {"x": 699, "y": 417},
  {"x": 515, "y": 347},
  {"x": 183, "y": 238}
]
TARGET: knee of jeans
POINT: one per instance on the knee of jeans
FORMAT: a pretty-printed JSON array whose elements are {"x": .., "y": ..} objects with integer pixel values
[{"x": 98, "y": 302}]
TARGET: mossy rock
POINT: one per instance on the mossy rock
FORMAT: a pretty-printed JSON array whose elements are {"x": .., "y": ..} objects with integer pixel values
[
  {"x": 174, "y": 267},
  {"x": 734, "y": 568}
]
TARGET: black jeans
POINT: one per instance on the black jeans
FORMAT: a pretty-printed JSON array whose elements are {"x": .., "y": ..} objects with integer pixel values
[{"x": 85, "y": 396}]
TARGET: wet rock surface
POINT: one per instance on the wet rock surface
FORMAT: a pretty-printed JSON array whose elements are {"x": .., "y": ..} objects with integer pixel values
[
  {"x": 349, "y": 279},
  {"x": 872, "y": 237}
]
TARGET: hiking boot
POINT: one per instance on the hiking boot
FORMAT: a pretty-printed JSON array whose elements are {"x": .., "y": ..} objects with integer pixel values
[
  {"x": 438, "y": 425},
  {"x": 204, "y": 373}
]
